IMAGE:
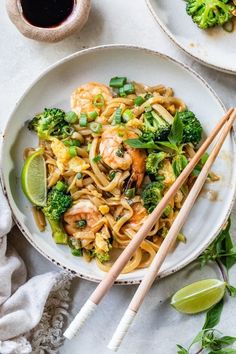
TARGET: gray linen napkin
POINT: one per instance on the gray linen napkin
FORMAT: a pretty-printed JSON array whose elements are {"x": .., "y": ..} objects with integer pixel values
[{"x": 32, "y": 313}]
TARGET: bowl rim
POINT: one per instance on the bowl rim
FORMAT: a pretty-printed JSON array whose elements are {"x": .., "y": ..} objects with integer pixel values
[
  {"x": 172, "y": 37},
  {"x": 44, "y": 73}
]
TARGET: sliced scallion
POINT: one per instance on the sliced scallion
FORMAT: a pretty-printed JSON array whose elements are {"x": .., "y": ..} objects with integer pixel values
[
  {"x": 95, "y": 127},
  {"x": 92, "y": 115},
  {"x": 139, "y": 101},
  {"x": 97, "y": 158},
  {"x": 129, "y": 88},
  {"x": 118, "y": 116},
  {"x": 71, "y": 117},
  {"x": 127, "y": 115},
  {"x": 83, "y": 121},
  {"x": 79, "y": 175},
  {"x": 99, "y": 100},
  {"x": 117, "y": 82},
  {"x": 71, "y": 142},
  {"x": 72, "y": 151}
]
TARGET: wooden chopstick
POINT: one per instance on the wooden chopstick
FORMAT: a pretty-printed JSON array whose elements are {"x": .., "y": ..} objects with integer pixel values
[
  {"x": 171, "y": 237},
  {"x": 89, "y": 307}
]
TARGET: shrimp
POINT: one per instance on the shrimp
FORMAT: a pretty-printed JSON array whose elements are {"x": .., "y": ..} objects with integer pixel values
[
  {"x": 118, "y": 155},
  {"x": 82, "y": 98},
  {"x": 85, "y": 211},
  {"x": 112, "y": 150},
  {"x": 138, "y": 161}
]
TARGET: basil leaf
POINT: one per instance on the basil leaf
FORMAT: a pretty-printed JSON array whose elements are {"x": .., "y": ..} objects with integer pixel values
[
  {"x": 181, "y": 350},
  {"x": 179, "y": 163},
  {"x": 139, "y": 144},
  {"x": 198, "y": 338},
  {"x": 169, "y": 145},
  {"x": 231, "y": 290},
  {"x": 227, "y": 340},
  {"x": 204, "y": 158},
  {"x": 224, "y": 351},
  {"x": 176, "y": 132},
  {"x": 213, "y": 315}
]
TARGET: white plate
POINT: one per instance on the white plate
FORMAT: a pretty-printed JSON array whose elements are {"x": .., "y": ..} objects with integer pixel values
[
  {"x": 215, "y": 47},
  {"x": 53, "y": 88}
]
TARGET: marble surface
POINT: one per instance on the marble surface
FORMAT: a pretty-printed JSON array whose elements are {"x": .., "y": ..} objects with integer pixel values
[{"x": 157, "y": 327}]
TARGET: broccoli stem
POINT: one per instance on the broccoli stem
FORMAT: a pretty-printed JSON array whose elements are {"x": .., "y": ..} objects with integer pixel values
[{"x": 58, "y": 233}]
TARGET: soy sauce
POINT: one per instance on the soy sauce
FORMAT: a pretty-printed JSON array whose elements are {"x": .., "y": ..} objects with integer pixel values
[{"x": 47, "y": 13}]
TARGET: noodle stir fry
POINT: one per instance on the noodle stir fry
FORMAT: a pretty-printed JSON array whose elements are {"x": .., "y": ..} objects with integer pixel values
[{"x": 109, "y": 162}]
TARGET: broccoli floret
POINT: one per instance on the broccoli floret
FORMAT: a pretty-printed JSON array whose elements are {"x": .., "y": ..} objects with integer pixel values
[
  {"x": 210, "y": 13},
  {"x": 153, "y": 161},
  {"x": 50, "y": 123},
  {"x": 57, "y": 203},
  {"x": 156, "y": 126},
  {"x": 151, "y": 195},
  {"x": 192, "y": 129},
  {"x": 58, "y": 233}
]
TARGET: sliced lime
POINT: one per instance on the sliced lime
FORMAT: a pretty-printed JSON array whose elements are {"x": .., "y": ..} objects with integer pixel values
[
  {"x": 198, "y": 296},
  {"x": 33, "y": 178}
]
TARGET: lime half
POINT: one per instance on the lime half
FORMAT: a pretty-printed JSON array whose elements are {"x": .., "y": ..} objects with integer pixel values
[
  {"x": 198, "y": 296},
  {"x": 33, "y": 178}
]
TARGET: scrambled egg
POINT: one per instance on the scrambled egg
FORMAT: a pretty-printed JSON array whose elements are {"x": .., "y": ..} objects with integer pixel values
[{"x": 64, "y": 160}]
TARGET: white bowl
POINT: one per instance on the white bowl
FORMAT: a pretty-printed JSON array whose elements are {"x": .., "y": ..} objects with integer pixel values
[
  {"x": 53, "y": 88},
  {"x": 213, "y": 47}
]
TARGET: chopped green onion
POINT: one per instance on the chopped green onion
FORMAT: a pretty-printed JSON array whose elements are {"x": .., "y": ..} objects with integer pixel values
[
  {"x": 129, "y": 88},
  {"x": 99, "y": 100},
  {"x": 112, "y": 175},
  {"x": 120, "y": 152},
  {"x": 97, "y": 158},
  {"x": 139, "y": 101},
  {"x": 167, "y": 210},
  {"x": 148, "y": 108},
  {"x": 71, "y": 142},
  {"x": 67, "y": 130},
  {"x": 181, "y": 238},
  {"x": 83, "y": 121},
  {"x": 76, "y": 252},
  {"x": 60, "y": 186},
  {"x": 130, "y": 193},
  {"x": 122, "y": 92},
  {"x": 127, "y": 115},
  {"x": 117, "y": 82},
  {"x": 81, "y": 224},
  {"x": 95, "y": 127},
  {"x": 89, "y": 146},
  {"x": 92, "y": 115},
  {"x": 71, "y": 117},
  {"x": 117, "y": 117},
  {"x": 72, "y": 151},
  {"x": 79, "y": 175}
]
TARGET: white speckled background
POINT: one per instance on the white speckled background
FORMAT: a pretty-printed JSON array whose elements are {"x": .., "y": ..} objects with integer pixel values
[{"x": 157, "y": 327}]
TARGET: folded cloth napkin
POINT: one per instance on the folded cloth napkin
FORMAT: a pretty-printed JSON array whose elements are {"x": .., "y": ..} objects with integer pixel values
[{"x": 33, "y": 312}]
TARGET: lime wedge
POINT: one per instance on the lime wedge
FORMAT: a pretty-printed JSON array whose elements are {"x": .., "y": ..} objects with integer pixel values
[
  {"x": 198, "y": 296},
  {"x": 33, "y": 178}
]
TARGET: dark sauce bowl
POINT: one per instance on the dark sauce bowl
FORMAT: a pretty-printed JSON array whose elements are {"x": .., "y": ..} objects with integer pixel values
[{"x": 46, "y": 20}]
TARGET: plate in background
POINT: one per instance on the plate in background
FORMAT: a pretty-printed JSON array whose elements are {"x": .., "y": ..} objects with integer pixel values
[
  {"x": 214, "y": 47},
  {"x": 53, "y": 88}
]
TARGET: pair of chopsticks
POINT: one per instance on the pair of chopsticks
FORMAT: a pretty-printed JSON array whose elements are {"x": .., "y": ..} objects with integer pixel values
[{"x": 104, "y": 286}]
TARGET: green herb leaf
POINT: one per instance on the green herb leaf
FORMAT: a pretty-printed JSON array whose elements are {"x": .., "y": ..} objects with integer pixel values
[
  {"x": 169, "y": 145},
  {"x": 179, "y": 163},
  {"x": 181, "y": 350},
  {"x": 213, "y": 315},
  {"x": 139, "y": 144},
  {"x": 224, "y": 351},
  {"x": 231, "y": 290},
  {"x": 97, "y": 158},
  {"x": 176, "y": 132},
  {"x": 227, "y": 340},
  {"x": 198, "y": 338}
]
